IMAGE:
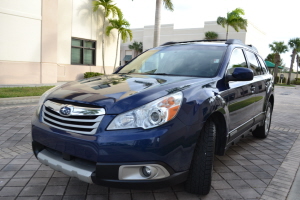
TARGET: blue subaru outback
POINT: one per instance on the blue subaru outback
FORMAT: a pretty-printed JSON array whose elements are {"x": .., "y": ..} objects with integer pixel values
[{"x": 160, "y": 119}]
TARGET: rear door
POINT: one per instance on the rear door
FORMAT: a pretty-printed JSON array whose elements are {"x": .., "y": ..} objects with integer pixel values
[{"x": 240, "y": 93}]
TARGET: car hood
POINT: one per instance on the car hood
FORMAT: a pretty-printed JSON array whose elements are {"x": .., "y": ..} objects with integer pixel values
[{"x": 119, "y": 93}]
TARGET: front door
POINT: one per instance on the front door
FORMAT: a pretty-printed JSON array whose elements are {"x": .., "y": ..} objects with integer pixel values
[{"x": 241, "y": 94}]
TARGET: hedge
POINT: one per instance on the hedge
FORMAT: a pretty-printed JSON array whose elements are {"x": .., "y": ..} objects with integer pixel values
[{"x": 91, "y": 74}]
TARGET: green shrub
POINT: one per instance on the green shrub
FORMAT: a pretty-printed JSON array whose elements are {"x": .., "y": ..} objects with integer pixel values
[
  {"x": 210, "y": 35},
  {"x": 91, "y": 74},
  {"x": 277, "y": 80},
  {"x": 296, "y": 82}
]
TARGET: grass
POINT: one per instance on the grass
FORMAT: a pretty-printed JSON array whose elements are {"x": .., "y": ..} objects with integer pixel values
[
  {"x": 285, "y": 85},
  {"x": 23, "y": 91}
]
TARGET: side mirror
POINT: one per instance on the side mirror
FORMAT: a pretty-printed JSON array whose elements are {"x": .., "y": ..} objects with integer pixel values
[{"x": 241, "y": 74}]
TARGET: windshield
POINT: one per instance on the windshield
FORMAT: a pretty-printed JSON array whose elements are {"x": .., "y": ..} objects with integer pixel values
[{"x": 181, "y": 60}]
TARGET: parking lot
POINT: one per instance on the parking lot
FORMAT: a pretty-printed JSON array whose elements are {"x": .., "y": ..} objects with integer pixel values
[{"x": 252, "y": 169}]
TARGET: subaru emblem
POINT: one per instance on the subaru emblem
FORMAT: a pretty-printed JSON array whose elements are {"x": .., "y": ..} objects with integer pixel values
[{"x": 65, "y": 111}]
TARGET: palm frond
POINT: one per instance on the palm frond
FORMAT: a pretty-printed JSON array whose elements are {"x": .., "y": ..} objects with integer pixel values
[
  {"x": 125, "y": 34},
  {"x": 222, "y": 21},
  {"x": 234, "y": 20},
  {"x": 108, "y": 30},
  {"x": 137, "y": 46},
  {"x": 278, "y": 47},
  {"x": 294, "y": 43},
  {"x": 168, "y": 5},
  {"x": 122, "y": 26}
]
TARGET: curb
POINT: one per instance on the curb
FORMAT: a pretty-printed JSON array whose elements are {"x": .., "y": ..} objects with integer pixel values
[{"x": 19, "y": 100}]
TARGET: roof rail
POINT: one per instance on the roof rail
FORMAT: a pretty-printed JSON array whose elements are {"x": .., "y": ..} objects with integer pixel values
[
  {"x": 168, "y": 43},
  {"x": 253, "y": 47},
  {"x": 229, "y": 41},
  {"x": 234, "y": 41}
]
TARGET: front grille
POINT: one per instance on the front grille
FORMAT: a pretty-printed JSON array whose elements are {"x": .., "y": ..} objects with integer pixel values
[{"x": 83, "y": 120}]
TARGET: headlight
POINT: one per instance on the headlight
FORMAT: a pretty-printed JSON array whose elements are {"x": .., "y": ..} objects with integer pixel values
[
  {"x": 150, "y": 115},
  {"x": 43, "y": 97}
]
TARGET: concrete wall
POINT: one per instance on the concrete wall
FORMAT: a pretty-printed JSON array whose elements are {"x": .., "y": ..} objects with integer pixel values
[
  {"x": 35, "y": 42},
  {"x": 20, "y": 41},
  {"x": 49, "y": 41},
  {"x": 82, "y": 22}
]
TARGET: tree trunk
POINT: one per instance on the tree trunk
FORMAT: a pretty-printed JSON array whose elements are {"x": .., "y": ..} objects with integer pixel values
[
  {"x": 291, "y": 67},
  {"x": 103, "y": 64},
  {"x": 277, "y": 59},
  {"x": 157, "y": 23},
  {"x": 227, "y": 33},
  {"x": 117, "y": 50},
  {"x": 298, "y": 63}
]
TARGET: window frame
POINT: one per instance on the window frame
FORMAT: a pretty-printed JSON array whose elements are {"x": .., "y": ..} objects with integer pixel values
[
  {"x": 246, "y": 60},
  {"x": 258, "y": 62},
  {"x": 263, "y": 65},
  {"x": 82, "y": 53}
]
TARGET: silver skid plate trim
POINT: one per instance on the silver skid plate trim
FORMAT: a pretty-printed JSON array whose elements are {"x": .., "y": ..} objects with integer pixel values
[{"x": 70, "y": 168}]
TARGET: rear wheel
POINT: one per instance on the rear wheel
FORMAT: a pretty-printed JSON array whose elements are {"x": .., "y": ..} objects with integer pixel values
[
  {"x": 263, "y": 131},
  {"x": 199, "y": 178}
]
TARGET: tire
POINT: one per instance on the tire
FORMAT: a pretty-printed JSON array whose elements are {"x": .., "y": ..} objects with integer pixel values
[
  {"x": 199, "y": 178},
  {"x": 263, "y": 131}
]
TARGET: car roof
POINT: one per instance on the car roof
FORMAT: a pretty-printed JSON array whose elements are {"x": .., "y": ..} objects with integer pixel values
[{"x": 213, "y": 43}]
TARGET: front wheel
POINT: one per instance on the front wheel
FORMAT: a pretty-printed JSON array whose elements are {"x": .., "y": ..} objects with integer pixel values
[
  {"x": 263, "y": 131},
  {"x": 199, "y": 178}
]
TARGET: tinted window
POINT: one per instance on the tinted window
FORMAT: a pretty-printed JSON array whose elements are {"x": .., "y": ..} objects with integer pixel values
[
  {"x": 83, "y": 52},
  {"x": 184, "y": 60},
  {"x": 253, "y": 63},
  {"x": 237, "y": 60},
  {"x": 263, "y": 65}
]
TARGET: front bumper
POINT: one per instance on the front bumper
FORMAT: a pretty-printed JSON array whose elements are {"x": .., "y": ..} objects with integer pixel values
[
  {"x": 103, "y": 174},
  {"x": 170, "y": 145}
]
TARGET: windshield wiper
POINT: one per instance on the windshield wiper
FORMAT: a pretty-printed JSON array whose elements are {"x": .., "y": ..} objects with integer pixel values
[
  {"x": 131, "y": 71},
  {"x": 161, "y": 74},
  {"x": 165, "y": 74},
  {"x": 150, "y": 72}
]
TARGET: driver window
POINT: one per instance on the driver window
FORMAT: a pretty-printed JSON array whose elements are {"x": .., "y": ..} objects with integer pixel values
[{"x": 237, "y": 60}]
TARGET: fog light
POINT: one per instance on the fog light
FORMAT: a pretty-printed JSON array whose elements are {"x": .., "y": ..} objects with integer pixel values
[{"x": 146, "y": 171}]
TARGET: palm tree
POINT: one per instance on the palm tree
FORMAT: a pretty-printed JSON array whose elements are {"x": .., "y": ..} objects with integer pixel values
[
  {"x": 234, "y": 20},
  {"x": 271, "y": 58},
  {"x": 295, "y": 45},
  {"x": 137, "y": 47},
  {"x": 210, "y": 35},
  {"x": 169, "y": 6},
  {"x": 122, "y": 26},
  {"x": 277, "y": 48},
  {"x": 298, "y": 65},
  {"x": 108, "y": 8}
]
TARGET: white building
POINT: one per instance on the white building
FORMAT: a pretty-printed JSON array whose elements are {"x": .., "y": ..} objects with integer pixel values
[
  {"x": 45, "y": 41},
  {"x": 252, "y": 36}
]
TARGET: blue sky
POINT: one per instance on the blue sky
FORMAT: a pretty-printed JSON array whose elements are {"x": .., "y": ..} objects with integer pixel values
[{"x": 278, "y": 19}]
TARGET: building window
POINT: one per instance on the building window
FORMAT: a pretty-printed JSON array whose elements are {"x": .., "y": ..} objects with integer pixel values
[{"x": 83, "y": 52}]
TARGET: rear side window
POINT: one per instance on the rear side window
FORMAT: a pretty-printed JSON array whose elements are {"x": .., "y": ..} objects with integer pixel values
[
  {"x": 253, "y": 63},
  {"x": 237, "y": 59},
  {"x": 263, "y": 65}
]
